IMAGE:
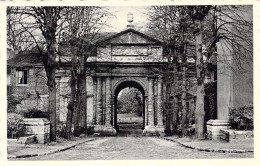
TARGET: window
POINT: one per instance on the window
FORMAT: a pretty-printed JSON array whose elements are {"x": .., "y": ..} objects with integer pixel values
[{"x": 21, "y": 76}]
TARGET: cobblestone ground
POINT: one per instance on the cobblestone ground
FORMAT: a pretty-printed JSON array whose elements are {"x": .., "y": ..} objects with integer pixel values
[{"x": 134, "y": 148}]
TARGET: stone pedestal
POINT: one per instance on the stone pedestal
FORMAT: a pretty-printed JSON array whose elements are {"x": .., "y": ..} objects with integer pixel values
[
  {"x": 160, "y": 130},
  {"x": 150, "y": 131},
  {"x": 105, "y": 130},
  {"x": 40, "y": 127},
  {"x": 213, "y": 128},
  {"x": 109, "y": 131},
  {"x": 153, "y": 131}
]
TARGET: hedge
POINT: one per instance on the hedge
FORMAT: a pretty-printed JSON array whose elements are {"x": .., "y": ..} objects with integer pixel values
[{"x": 242, "y": 118}]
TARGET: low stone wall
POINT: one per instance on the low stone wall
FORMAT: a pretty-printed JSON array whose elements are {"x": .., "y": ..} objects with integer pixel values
[
  {"x": 40, "y": 127},
  {"x": 236, "y": 136}
]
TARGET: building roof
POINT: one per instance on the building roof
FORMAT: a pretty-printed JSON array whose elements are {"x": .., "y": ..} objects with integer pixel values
[
  {"x": 108, "y": 38},
  {"x": 25, "y": 59},
  {"x": 32, "y": 58}
]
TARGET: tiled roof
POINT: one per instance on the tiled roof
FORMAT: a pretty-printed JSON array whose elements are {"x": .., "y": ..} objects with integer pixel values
[
  {"x": 25, "y": 58},
  {"x": 126, "y": 31}
]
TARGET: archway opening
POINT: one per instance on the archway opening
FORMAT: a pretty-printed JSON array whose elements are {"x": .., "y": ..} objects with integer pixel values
[{"x": 129, "y": 112}]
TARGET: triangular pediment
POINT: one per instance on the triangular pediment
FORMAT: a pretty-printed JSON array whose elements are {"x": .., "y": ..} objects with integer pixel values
[{"x": 130, "y": 36}]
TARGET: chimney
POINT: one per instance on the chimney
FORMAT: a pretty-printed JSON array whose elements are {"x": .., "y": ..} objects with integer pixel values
[{"x": 130, "y": 19}]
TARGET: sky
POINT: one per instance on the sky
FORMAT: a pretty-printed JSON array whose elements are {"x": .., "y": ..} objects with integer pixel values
[{"x": 118, "y": 22}]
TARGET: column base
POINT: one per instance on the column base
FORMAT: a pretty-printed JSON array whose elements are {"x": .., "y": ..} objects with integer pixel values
[
  {"x": 153, "y": 131},
  {"x": 213, "y": 128},
  {"x": 160, "y": 130},
  {"x": 105, "y": 130}
]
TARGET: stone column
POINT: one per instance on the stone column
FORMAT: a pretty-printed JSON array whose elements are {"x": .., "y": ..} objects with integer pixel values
[
  {"x": 146, "y": 110},
  {"x": 108, "y": 129},
  {"x": 150, "y": 102},
  {"x": 99, "y": 102},
  {"x": 103, "y": 101},
  {"x": 94, "y": 101},
  {"x": 155, "y": 98},
  {"x": 108, "y": 102},
  {"x": 57, "y": 99},
  {"x": 224, "y": 96},
  {"x": 150, "y": 128},
  {"x": 159, "y": 104},
  {"x": 159, "y": 127}
]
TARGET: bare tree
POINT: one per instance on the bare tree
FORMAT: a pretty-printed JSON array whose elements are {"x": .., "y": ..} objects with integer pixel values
[
  {"x": 230, "y": 26},
  {"x": 37, "y": 27},
  {"x": 80, "y": 31},
  {"x": 173, "y": 25},
  {"x": 227, "y": 25},
  {"x": 198, "y": 13}
]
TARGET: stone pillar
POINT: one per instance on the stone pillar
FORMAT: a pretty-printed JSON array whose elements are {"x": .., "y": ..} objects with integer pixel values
[
  {"x": 159, "y": 126},
  {"x": 150, "y": 102},
  {"x": 94, "y": 101},
  {"x": 146, "y": 110},
  {"x": 99, "y": 102},
  {"x": 224, "y": 95},
  {"x": 150, "y": 128},
  {"x": 103, "y": 101},
  {"x": 108, "y": 129},
  {"x": 108, "y": 102},
  {"x": 155, "y": 98},
  {"x": 57, "y": 99}
]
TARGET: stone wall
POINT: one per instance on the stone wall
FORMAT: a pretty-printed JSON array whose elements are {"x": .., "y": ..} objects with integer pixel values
[
  {"x": 243, "y": 86},
  {"x": 36, "y": 82},
  {"x": 34, "y": 94}
]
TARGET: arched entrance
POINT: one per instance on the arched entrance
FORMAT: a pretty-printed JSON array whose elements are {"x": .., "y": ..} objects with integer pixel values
[
  {"x": 126, "y": 59},
  {"x": 127, "y": 123}
]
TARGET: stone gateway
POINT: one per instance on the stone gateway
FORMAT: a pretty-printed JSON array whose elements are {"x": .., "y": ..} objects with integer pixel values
[{"x": 126, "y": 59}]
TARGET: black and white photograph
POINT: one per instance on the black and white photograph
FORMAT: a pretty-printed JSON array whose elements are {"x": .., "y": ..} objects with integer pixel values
[{"x": 148, "y": 82}]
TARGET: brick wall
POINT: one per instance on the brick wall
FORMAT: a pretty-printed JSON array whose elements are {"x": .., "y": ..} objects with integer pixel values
[{"x": 34, "y": 94}]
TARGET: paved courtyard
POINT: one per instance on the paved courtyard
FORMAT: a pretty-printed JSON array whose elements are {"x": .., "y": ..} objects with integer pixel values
[{"x": 119, "y": 148}]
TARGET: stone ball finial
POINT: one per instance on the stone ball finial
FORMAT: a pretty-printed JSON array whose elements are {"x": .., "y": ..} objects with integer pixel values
[{"x": 130, "y": 17}]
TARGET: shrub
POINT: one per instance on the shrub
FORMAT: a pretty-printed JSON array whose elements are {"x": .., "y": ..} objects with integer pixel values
[
  {"x": 12, "y": 103},
  {"x": 61, "y": 130},
  {"x": 241, "y": 118},
  {"x": 35, "y": 113},
  {"x": 15, "y": 126}
]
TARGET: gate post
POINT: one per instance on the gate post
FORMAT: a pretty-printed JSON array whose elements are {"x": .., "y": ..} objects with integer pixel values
[
  {"x": 150, "y": 128},
  {"x": 159, "y": 127},
  {"x": 108, "y": 128}
]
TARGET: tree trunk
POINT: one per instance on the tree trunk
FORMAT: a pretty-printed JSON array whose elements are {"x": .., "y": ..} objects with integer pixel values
[
  {"x": 183, "y": 103},
  {"x": 175, "y": 116},
  {"x": 52, "y": 103},
  {"x": 49, "y": 61},
  {"x": 77, "y": 113},
  {"x": 82, "y": 101},
  {"x": 81, "y": 115},
  {"x": 175, "y": 99},
  {"x": 199, "y": 111},
  {"x": 70, "y": 106},
  {"x": 167, "y": 107}
]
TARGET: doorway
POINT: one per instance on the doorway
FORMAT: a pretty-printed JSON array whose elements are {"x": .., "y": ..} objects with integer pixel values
[{"x": 129, "y": 109}]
